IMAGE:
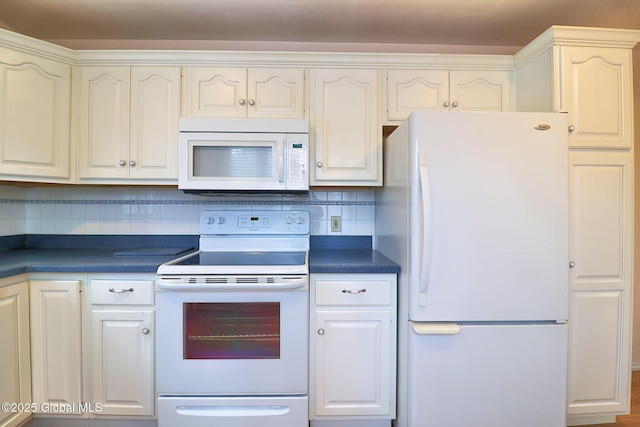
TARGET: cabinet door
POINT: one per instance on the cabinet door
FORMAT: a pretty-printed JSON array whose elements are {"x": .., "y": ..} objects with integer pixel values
[
  {"x": 480, "y": 91},
  {"x": 123, "y": 361},
  {"x": 352, "y": 364},
  {"x": 55, "y": 342},
  {"x": 416, "y": 90},
  {"x": 346, "y": 127},
  {"x": 215, "y": 92},
  {"x": 15, "y": 374},
  {"x": 600, "y": 282},
  {"x": 596, "y": 92},
  {"x": 276, "y": 93},
  {"x": 155, "y": 112},
  {"x": 103, "y": 150},
  {"x": 35, "y": 112}
]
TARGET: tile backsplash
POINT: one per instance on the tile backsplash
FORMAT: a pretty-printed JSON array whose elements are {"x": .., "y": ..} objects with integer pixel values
[{"x": 127, "y": 210}]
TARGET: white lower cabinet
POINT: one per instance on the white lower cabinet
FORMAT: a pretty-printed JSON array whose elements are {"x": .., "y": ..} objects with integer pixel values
[
  {"x": 122, "y": 346},
  {"x": 353, "y": 348},
  {"x": 15, "y": 373},
  {"x": 56, "y": 344},
  {"x": 601, "y": 285}
]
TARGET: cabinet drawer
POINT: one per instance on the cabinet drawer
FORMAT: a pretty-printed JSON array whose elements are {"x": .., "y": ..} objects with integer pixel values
[
  {"x": 366, "y": 292},
  {"x": 126, "y": 292}
]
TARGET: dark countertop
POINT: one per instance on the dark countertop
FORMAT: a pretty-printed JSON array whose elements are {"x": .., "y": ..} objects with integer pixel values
[
  {"x": 350, "y": 261},
  {"x": 77, "y": 261},
  {"x": 115, "y": 255}
]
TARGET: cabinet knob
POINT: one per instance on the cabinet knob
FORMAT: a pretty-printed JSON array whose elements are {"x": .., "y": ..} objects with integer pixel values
[
  {"x": 122, "y": 163},
  {"x": 445, "y": 104},
  {"x": 132, "y": 163},
  {"x": 252, "y": 102},
  {"x": 319, "y": 164},
  {"x": 320, "y": 331},
  {"x": 572, "y": 264},
  {"x": 145, "y": 331},
  {"x": 242, "y": 101},
  {"x": 454, "y": 104},
  {"x": 572, "y": 128}
]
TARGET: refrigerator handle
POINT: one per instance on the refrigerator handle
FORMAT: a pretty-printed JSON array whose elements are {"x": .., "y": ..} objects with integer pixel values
[
  {"x": 435, "y": 328},
  {"x": 425, "y": 265}
]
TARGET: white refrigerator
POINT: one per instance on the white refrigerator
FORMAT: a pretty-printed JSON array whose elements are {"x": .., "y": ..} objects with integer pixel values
[{"x": 474, "y": 208}]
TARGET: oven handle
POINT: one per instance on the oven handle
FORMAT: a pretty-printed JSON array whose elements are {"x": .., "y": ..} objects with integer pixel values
[
  {"x": 171, "y": 285},
  {"x": 232, "y": 411}
]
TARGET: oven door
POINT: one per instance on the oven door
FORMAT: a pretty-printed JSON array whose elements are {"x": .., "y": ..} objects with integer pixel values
[{"x": 223, "y": 342}]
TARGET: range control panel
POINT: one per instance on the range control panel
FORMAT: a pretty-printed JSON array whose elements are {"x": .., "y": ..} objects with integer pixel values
[{"x": 254, "y": 222}]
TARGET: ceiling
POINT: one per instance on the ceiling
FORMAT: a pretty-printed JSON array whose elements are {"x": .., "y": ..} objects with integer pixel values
[{"x": 234, "y": 23}]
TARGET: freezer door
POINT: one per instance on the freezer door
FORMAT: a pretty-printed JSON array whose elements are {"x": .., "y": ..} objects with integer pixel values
[
  {"x": 489, "y": 228},
  {"x": 487, "y": 375}
]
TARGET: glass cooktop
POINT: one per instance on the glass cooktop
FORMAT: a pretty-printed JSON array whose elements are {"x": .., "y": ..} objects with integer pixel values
[{"x": 222, "y": 259}]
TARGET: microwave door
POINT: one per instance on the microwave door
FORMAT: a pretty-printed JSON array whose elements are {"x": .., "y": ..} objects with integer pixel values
[{"x": 234, "y": 162}]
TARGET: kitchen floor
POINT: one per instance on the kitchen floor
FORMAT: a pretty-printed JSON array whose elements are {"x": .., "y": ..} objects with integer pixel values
[{"x": 634, "y": 418}]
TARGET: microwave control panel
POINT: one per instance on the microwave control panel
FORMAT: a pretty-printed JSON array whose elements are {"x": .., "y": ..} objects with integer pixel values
[{"x": 297, "y": 162}]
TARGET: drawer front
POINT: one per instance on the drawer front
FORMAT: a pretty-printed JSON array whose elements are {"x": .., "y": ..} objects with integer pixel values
[
  {"x": 122, "y": 292},
  {"x": 347, "y": 292}
]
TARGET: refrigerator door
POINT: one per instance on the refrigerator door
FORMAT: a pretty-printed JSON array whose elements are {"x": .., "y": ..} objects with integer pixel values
[
  {"x": 487, "y": 375},
  {"x": 489, "y": 227}
]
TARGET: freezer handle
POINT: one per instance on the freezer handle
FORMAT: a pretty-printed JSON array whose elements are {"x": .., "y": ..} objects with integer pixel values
[
  {"x": 425, "y": 265},
  {"x": 435, "y": 328}
]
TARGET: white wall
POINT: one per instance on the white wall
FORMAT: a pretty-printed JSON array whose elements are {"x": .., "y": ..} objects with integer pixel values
[{"x": 125, "y": 210}]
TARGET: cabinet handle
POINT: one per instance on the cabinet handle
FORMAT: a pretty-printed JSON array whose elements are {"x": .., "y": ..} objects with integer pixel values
[
  {"x": 445, "y": 104},
  {"x": 319, "y": 164},
  {"x": 145, "y": 331},
  {"x": 252, "y": 102},
  {"x": 572, "y": 264},
  {"x": 354, "y": 291},
  {"x": 571, "y": 128},
  {"x": 454, "y": 104},
  {"x": 122, "y": 163},
  {"x": 120, "y": 291},
  {"x": 132, "y": 163},
  {"x": 320, "y": 331},
  {"x": 242, "y": 101}
]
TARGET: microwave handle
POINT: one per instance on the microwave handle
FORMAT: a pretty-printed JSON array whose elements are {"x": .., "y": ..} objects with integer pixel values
[{"x": 280, "y": 161}]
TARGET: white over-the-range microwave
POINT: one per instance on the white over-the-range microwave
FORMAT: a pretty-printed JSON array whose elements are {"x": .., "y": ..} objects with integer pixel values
[{"x": 239, "y": 155}]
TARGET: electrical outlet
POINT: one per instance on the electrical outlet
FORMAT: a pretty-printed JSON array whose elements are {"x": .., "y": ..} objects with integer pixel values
[{"x": 335, "y": 223}]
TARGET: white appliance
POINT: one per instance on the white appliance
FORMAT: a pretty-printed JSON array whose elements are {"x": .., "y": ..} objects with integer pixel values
[
  {"x": 229, "y": 155},
  {"x": 232, "y": 324},
  {"x": 475, "y": 211}
]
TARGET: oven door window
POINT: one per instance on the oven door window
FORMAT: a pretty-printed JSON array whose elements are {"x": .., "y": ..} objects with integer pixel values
[{"x": 247, "y": 330}]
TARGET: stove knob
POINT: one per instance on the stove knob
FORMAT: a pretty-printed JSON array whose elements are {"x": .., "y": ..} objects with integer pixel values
[
  {"x": 289, "y": 220},
  {"x": 210, "y": 220},
  {"x": 299, "y": 220},
  {"x": 220, "y": 220}
]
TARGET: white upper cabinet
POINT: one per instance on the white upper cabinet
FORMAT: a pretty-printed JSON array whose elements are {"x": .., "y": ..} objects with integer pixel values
[
  {"x": 596, "y": 92},
  {"x": 129, "y": 124},
  {"x": 35, "y": 115},
  {"x": 241, "y": 92},
  {"x": 441, "y": 90},
  {"x": 346, "y": 127}
]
